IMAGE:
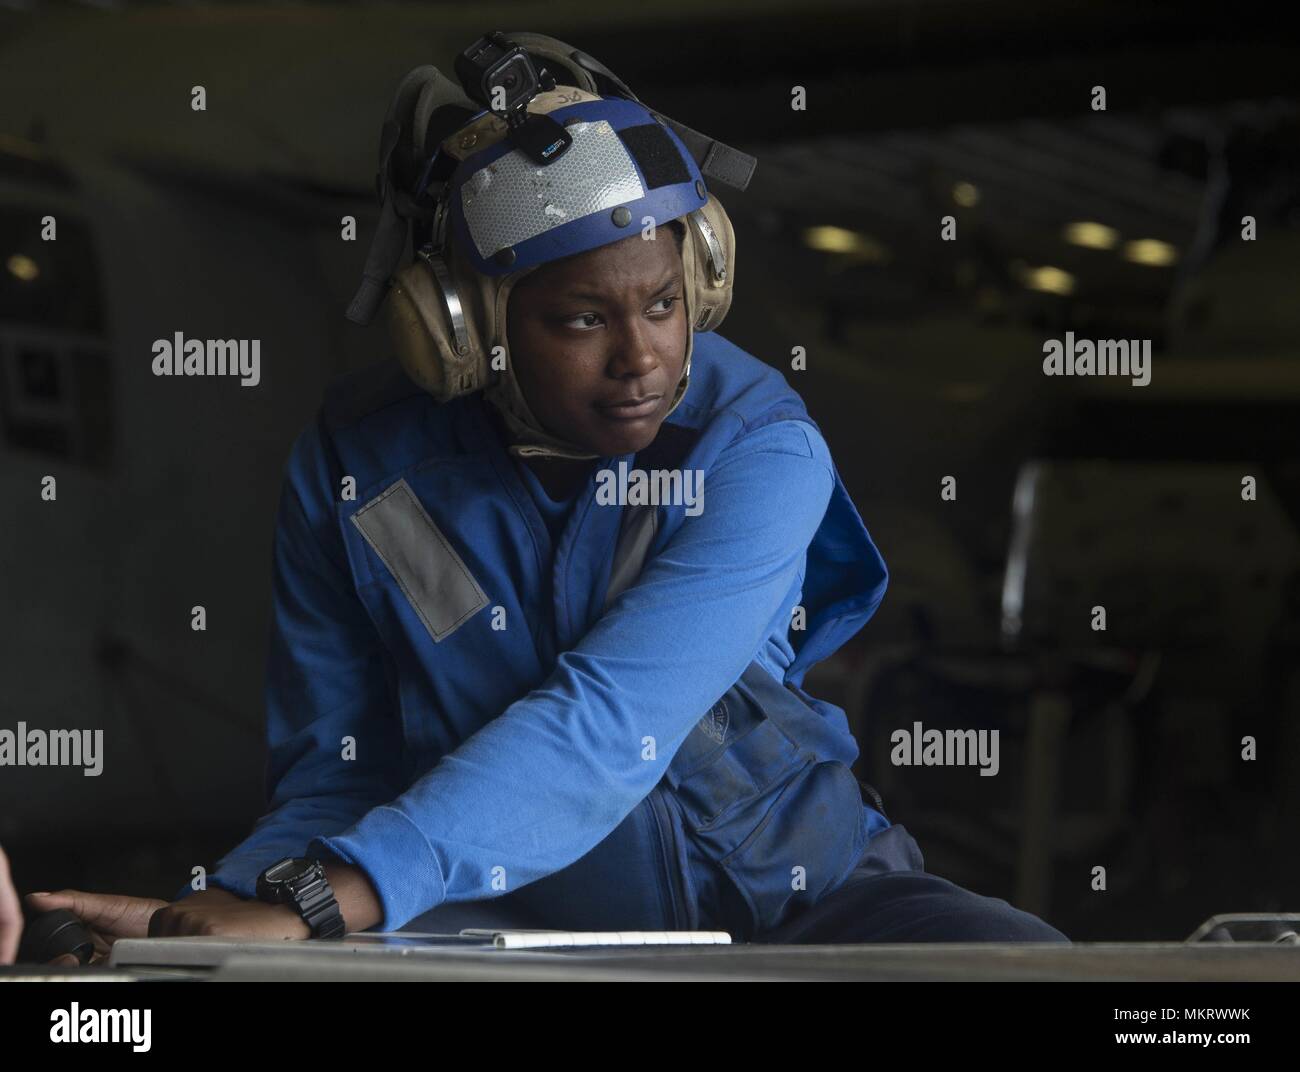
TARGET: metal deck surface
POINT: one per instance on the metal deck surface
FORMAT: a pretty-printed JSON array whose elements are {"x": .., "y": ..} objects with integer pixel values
[{"x": 407, "y": 956}]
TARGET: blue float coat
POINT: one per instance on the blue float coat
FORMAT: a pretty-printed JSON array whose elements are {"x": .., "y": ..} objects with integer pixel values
[{"x": 451, "y": 708}]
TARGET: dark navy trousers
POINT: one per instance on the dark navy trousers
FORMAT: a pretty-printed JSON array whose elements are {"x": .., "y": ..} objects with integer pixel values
[{"x": 889, "y": 897}]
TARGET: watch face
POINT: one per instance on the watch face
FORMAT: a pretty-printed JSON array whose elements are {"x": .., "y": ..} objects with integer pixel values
[{"x": 287, "y": 870}]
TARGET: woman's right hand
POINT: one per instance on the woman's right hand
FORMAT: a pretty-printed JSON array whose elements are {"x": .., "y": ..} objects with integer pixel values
[{"x": 110, "y": 916}]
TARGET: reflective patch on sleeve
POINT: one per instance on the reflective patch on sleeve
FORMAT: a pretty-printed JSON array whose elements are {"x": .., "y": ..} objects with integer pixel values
[{"x": 435, "y": 581}]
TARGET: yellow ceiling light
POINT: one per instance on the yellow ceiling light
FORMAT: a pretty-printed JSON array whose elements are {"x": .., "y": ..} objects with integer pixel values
[
  {"x": 966, "y": 194},
  {"x": 22, "y": 267},
  {"x": 831, "y": 239},
  {"x": 1151, "y": 252},
  {"x": 1049, "y": 280},
  {"x": 1091, "y": 235}
]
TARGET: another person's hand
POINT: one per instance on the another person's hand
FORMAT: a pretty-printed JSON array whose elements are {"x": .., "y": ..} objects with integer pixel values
[{"x": 11, "y": 914}]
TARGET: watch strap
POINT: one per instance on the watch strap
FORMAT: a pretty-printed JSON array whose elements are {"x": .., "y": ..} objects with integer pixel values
[
  {"x": 320, "y": 910},
  {"x": 315, "y": 902}
]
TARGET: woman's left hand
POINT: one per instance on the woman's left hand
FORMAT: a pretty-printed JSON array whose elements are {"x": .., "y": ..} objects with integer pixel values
[
  {"x": 208, "y": 912},
  {"x": 216, "y": 913},
  {"x": 108, "y": 916}
]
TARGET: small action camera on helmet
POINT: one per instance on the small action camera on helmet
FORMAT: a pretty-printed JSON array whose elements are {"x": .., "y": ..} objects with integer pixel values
[{"x": 500, "y": 76}]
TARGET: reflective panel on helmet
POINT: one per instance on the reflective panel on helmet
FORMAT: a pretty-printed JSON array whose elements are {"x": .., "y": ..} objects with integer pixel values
[
  {"x": 623, "y": 168},
  {"x": 513, "y": 199}
]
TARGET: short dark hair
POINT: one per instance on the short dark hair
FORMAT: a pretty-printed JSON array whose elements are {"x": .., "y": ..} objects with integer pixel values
[{"x": 679, "y": 232}]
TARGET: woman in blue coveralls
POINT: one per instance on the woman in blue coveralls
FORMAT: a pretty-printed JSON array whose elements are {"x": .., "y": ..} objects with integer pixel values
[{"x": 508, "y": 684}]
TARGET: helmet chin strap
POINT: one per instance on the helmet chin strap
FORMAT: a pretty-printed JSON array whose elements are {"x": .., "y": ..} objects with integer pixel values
[{"x": 531, "y": 439}]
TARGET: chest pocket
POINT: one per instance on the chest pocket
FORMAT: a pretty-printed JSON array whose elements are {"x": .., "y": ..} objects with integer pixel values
[
  {"x": 432, "y": 576},
  {"x": 784, "y": 826}
]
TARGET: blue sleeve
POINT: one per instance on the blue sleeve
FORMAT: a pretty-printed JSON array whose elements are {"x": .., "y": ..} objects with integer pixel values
[
  {"x": 325, "y": 680},
  {"x": 546, "y": 781}
]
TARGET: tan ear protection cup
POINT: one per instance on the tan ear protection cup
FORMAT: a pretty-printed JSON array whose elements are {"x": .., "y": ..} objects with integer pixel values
[
  {"x": 712, "y": 296},
  {"x": 422, "y": 332},
  {"x": 413, "y": 330},
  {"x": 424, "y": 340}
]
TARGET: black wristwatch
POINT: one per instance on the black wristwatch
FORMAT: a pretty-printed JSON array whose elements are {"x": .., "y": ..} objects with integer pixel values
[{"x": 302, "y": 883}]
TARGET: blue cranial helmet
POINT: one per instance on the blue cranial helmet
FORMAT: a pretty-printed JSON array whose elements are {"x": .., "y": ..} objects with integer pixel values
[{"x": 624, "y": 170}]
